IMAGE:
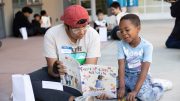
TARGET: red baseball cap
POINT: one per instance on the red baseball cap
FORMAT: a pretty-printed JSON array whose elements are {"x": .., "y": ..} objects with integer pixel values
[{"x": 75, "y": 16}]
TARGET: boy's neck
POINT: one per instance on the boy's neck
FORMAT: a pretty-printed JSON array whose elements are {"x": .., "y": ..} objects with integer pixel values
[{"x": 135, "y": 42}]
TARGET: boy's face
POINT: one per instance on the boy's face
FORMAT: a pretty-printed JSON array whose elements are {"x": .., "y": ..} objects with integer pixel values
[
  {"x": 100, "y": 16},
  {"x": 128, "y": 31},
  {"x": 37, "y": 18}
]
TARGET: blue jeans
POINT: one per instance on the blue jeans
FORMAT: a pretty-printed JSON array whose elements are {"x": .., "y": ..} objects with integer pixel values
[
  {"x": 148, "y": 91},
  {"x": 48, "y": 94}
]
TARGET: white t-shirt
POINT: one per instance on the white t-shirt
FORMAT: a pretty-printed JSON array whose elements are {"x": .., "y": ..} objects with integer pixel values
[
  {"x": 101, "y": 23},
  {"x": 134, "y": 56},
  {"x": 46, "y": 22},
  {"x": 119, "y": 16},
  {"x": 56, "y": 42}
]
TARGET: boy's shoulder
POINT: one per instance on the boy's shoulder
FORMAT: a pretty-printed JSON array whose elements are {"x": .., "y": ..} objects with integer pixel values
[{"x": 146, "y": 43}]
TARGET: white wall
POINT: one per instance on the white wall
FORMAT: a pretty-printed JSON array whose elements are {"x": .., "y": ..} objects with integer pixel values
[{"x": 8, "y": 16}]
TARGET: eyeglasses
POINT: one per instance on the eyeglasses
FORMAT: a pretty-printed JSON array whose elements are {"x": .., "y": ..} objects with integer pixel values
[{"x": 77, "y": 30}]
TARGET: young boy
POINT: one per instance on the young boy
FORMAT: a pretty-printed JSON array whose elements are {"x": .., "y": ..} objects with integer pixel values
[
  {"x": 134, "y": 59},
  {"x": 46, "y": 20},
  {"x": 36, "y": 22},
  {"x": 100, "y": 22}
]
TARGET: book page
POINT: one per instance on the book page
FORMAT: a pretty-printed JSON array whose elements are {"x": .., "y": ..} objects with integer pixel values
[
  {"x": 97, "y": 79},
  {"x": 72, "y": 77}
]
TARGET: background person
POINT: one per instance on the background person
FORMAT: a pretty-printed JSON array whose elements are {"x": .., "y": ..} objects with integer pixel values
[{"x": 21, "y": 20}]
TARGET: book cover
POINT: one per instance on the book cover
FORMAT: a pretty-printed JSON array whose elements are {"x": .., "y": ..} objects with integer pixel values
[
  {"x": 91, "y": 80},
  {"x": 98, "y": 79}
]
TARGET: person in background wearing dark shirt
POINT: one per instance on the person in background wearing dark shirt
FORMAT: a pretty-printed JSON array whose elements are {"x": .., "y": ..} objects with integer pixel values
[
  {"x": 21, "y": 20},
  {"x": 36, "y": 22},
  {"x": 173, "y": 40}
]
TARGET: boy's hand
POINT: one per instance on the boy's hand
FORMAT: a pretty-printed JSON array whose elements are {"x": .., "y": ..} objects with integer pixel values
[
  {"x": 121, "y": 93},
  {"x": 103, "y": 97},
  {"x": 131, "y": 96}
]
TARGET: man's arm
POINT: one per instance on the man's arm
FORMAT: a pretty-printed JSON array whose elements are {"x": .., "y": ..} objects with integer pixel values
[
  {"x": 50, "y": 63},
  {"x": 91, "y": 60}
]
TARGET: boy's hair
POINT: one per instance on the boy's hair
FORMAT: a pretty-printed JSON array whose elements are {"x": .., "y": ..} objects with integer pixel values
[
  {"x": 35, "y": 15},
  {"x": 43, "y": 12},
  {"x": 99, "y": 11},
  {"x": 116, "y": 5},
  {"x": 100, "y": 76},
  {"x": 133, "y": 18},
  {"x": 27, "y": 10}
]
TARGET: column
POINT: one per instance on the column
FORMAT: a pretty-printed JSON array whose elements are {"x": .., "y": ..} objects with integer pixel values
[{"x": 93, "y": 9}]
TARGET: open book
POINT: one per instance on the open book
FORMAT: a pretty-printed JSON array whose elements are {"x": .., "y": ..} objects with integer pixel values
[{"x": 91, "y": 80}]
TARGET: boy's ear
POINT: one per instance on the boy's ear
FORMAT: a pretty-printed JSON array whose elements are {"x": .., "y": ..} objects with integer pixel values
[{"x": 139, "y": 28}]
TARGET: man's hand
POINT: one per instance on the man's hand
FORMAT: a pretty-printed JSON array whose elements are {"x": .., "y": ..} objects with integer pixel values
[{"x": 59, "y": 68}]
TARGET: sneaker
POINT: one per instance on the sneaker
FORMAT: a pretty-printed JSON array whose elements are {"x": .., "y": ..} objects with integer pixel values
[{"x": 166, "y": 84}]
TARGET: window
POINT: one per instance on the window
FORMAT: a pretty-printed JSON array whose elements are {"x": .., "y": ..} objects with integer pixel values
[
  {"x": 36, "y": 5},
  {"x": 86, "y": 4},
  {"x": 1, "y": 1},
  {"x": 102, "y": 4},
  {"x": 153, "y": 6},
  {"x": 34, "y": 2},
  {"x": 69, "y": 2}
]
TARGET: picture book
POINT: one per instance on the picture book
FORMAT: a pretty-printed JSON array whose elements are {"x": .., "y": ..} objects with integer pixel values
[{"x": 91, "y": 80}]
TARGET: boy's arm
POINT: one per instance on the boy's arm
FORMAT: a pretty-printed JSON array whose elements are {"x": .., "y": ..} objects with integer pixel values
[
  {"x": 121, "y": 73},
  {"x": 140, "y": 81},
  {"x": 142, "y": 76}
]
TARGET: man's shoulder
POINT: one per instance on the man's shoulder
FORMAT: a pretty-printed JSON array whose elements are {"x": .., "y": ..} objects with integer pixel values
[
  {"x": 92, "y": 32},
  {"x": 55, "y": 29}
]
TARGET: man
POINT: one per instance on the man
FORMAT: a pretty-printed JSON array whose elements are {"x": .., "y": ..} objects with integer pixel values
[
  {"x": 21, "y": 20},
  {"x": 75, "y": 36},
  {"x": 173, "y": 40},
  {"x": 116, "y": 10}
]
